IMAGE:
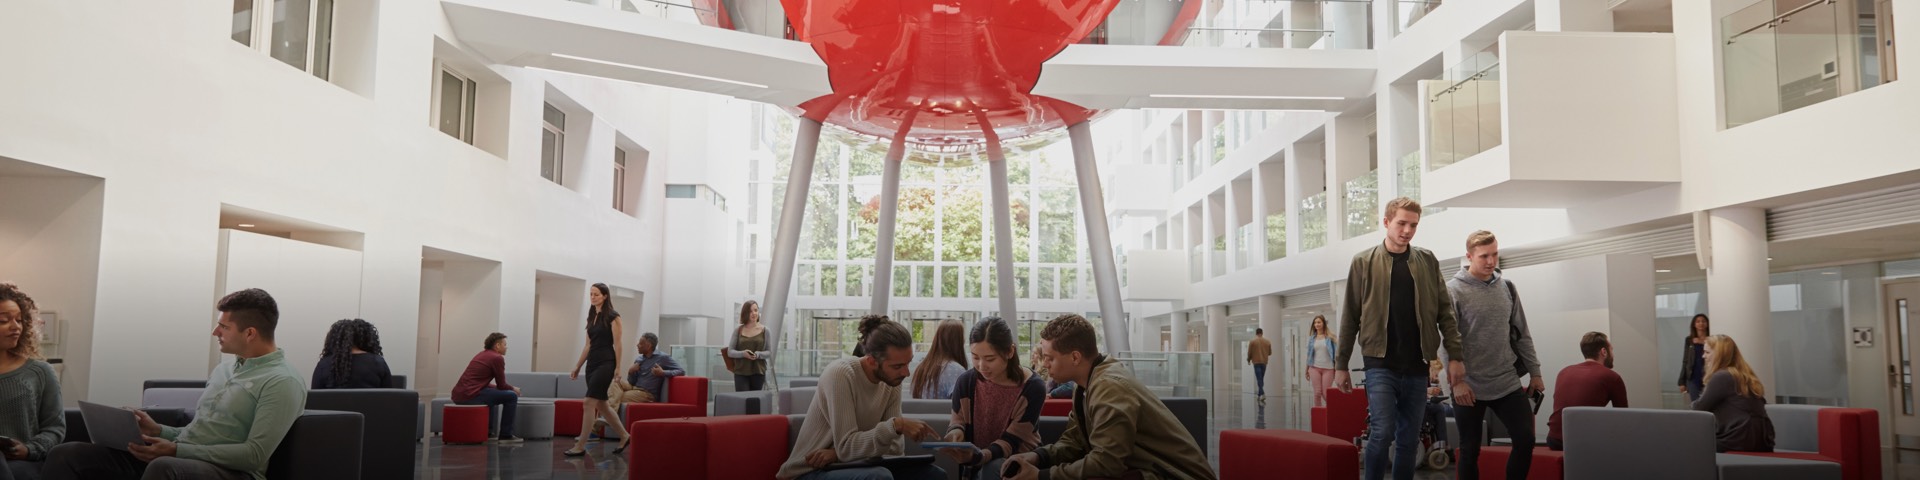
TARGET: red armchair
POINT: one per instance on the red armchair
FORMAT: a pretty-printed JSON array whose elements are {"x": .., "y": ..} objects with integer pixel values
[
  {"x": 686, "y": 397},
  {"x": 1547, "y": 464},
  {"x": 1849, "y": 437},
  {"x": 1259, "y": 454},
  {"x": 1344, "y": 417},
  {"x": 730, "y": 447}
]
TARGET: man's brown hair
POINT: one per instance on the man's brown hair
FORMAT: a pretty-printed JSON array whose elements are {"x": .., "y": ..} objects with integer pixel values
[
  {"x": 1071, "y": 333},
  {"x": 1402, "y": 203}
]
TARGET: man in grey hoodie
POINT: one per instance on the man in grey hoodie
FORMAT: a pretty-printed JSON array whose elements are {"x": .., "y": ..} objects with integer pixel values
[{"x": 1497, "y": 345}]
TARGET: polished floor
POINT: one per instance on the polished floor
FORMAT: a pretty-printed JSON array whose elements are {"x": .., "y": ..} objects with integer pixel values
[{"x": 542, "y": 459}]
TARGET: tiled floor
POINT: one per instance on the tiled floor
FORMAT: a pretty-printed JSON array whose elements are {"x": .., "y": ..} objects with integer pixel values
[{"x": 541, "y": 459}]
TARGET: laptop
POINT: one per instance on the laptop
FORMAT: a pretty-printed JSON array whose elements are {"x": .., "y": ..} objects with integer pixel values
[{"x": 111, "y": 427}]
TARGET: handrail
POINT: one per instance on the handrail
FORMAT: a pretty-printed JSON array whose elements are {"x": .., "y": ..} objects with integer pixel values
[
  {"x": 1778, "y": 19},
  {"x": 1476, "y": 76},
  {"x": 1227, "y": 29},
  {"x": 671, "y": 4}
]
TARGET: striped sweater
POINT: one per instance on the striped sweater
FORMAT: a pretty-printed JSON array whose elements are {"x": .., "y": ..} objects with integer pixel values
[{"x": 1018, "y": 435}]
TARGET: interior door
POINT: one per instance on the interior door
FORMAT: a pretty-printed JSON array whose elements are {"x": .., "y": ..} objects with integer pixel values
[{"x": 1902, "y": 311}]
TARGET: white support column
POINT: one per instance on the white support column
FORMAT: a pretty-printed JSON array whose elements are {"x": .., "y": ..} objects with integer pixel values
[
  {"x": 1106, "y": 277},
  {"x": 1223, "y": 363},
  {"x": 1348, "y": 20},
  {"x": 1230, "y": 226},
  {"x": 1002, "y": 225},
  {"x": 1737, "y": 285},
  {"x": 1177, "y": 328},
  {"x": 889, "y": 211},
  {"x": 1257, "y": 253},
  {"x": 786, "y": 239}
]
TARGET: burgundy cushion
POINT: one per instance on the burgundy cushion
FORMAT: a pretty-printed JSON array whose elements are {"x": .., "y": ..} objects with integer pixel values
[
  {"x": 1264, "y": 454},
  {"x": 731, "y": 447},
  {"x": 1547, "y": 464}
]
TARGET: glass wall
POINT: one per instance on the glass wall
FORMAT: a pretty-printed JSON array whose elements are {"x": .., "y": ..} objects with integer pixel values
[
  {"x": 1361, "y": 199},
  {"x": 943, "y": 240},
  {"x": 1313, "y": 222},
  {"x": 1463, "y": 110},
  {"x": 1780, "y": 55},
  {"x": 1809, "y": 324}
]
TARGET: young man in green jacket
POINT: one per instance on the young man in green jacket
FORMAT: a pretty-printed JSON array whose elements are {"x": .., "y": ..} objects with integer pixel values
[
  {"x": 1398, "y": 310},
  {"x": 249, "y": 405},
  {"x": 1116, "y": 427}
]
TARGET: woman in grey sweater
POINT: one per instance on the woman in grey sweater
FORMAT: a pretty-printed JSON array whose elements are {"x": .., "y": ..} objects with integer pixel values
[
  {"x": 1737, "y": 399},
  {"x": 30, "y": 414}
]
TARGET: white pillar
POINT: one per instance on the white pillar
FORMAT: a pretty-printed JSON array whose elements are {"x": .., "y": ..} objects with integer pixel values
[
  {"x": 1224, "y": 363},
  {"x": 1177, "y": 326},
  {"x": 1002, "y": 225},
  {"x": 1572, "y": 16},
  {"x": 786, "y": 239},
  {"x": 1737, "y": 284},
  {"x": 1106, "y": 277},
  {"x": 1348, "y": 20},
  {"x": 889, "y": 211}
]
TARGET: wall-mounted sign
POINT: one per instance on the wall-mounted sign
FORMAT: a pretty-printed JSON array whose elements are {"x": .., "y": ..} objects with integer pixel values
[{"x": 1862, "y": 337}]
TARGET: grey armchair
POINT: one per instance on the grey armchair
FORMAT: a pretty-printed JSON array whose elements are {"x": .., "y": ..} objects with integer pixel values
[
  {"x": 392, "y": 418},
  {"x": 322, "y": 445}
]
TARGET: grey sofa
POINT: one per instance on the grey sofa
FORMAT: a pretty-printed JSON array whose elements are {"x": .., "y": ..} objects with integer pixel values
[
  {"x": 533, "y": 386},
  {"x": 1665, "y": 444},
  {"x": 392, "y": 417},
  {"x": 743, "y": 403},
  {"x": 322, "y": 445}
]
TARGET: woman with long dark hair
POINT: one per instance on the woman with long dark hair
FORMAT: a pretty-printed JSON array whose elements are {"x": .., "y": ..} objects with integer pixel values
[
  {"x": 935, "y": 376},
  {"x": 30, "y": 411},
  {"x": 351, "y": 358},
  {"x": 995, "y": 405},
  {"x": 1693, "y": 358},
  {"x": 749, "y": 350},
  {"x": 603, "y": 332},
  {"x": 1320, "y": 355}
]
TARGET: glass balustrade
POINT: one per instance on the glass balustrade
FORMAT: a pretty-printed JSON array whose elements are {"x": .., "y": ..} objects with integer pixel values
[
  {"x": 1218, "y": 255},
  {"x": 1196, "y": 268},
  {"x": 1408, "y": 12},
  {"x": 1410, "y": 173},
  {"x": 1243, "y": 251},
  {"x": 1313, "y": 221},
  {"x": 1276, "y": 236},
  {"x": 1781, "y": 55},
  {"x": 1325, "y": 24},
  {"x": 1172, "y": 374},
  {"x": 1463, "y": 110},
  {"x": 1361, "y": 202}
]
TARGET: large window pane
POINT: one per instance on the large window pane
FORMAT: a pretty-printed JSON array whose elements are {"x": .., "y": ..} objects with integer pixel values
[
  {"x": 949, "y": 282},
  {"x": 829, "y": 280},
  {"x": 820, "y": 234},
  {"x": 323, "y": 38},
  {"x": 290, "y": 19},
  {"x": 913, "y": 240},
  {"x": 1044, "y": 284},
  {"x": 925, "y": 275},
  {"x": 243, "y": 22},
  {"x": 1058, "y": 234},
  {"x": 550, "y": 150},
  {"x": 452, "y": 89},
  {"x": 962, "y": 226}
]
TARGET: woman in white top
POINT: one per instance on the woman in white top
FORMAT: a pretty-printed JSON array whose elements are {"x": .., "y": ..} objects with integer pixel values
[{"x": 1320, "y": 355}]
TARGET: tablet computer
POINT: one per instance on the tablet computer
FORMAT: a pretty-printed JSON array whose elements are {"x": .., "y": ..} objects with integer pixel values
[
  {"x": 111, "y": 427},
  {"x": 897, "y": 461},
  {"x": 936, "y": 445}
]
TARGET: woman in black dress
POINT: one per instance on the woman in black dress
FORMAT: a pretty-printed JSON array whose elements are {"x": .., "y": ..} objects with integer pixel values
[
  {"x": 351, "y": 358},
  {"x": 603, "y": 332}
]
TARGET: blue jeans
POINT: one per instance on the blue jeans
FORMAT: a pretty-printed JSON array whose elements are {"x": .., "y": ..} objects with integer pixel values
[
  {"x": 503, "y": 401},
  {"x": 1260, "y": 377},
  {"x": 919, "y": 472},
  {"x": 1396, "y": 403}
]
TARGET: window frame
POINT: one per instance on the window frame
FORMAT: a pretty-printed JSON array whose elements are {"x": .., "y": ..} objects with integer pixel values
[
  {"x": 469, "y": 101},
  {"x": 319, "y": 51},
  {"x": 619, "y": 178},
  {"x": 559, "y": 147}
]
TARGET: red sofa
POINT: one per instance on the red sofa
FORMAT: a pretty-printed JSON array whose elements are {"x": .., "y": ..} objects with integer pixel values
[
  {"x": 1262, "y": 454},
  {"x": 1547, "y": 464},
  {"x": 686, "y": 397},
  {"x": 1057, "y": 407},
  {"x": 1344, "y": 417},
  {"x": 730, "y": 447},
  {"x": 1847, "y": 436}
]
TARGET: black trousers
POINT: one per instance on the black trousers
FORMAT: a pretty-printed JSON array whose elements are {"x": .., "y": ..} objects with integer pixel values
[
  {"x": 1516, "y": 413},
  {"x": 749, "y": 383}
]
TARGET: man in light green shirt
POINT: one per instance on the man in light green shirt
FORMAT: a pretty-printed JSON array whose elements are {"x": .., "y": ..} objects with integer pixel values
[{"x": 249, "y": 405}]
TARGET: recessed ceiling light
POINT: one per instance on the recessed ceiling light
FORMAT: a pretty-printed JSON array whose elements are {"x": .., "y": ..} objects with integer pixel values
[
  {"x": 1829, "y": 273},
  {"x": 1663, "y": 271},
  {"x": 1769, "y": 259},
  {"x": 246, "y": 225}
]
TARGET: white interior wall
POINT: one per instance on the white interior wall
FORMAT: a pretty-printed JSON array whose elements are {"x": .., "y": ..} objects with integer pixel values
[
  {"x": 314, "y": 285},
  {"x": 469, "y": 311},
  {"x": 558, "y": 325},
  {"x": 427, "y": 339},
  {"x": 188, "y": 137},
  {"x": 1562, "y": 304},
  {"x": 50, "y": 243}
]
